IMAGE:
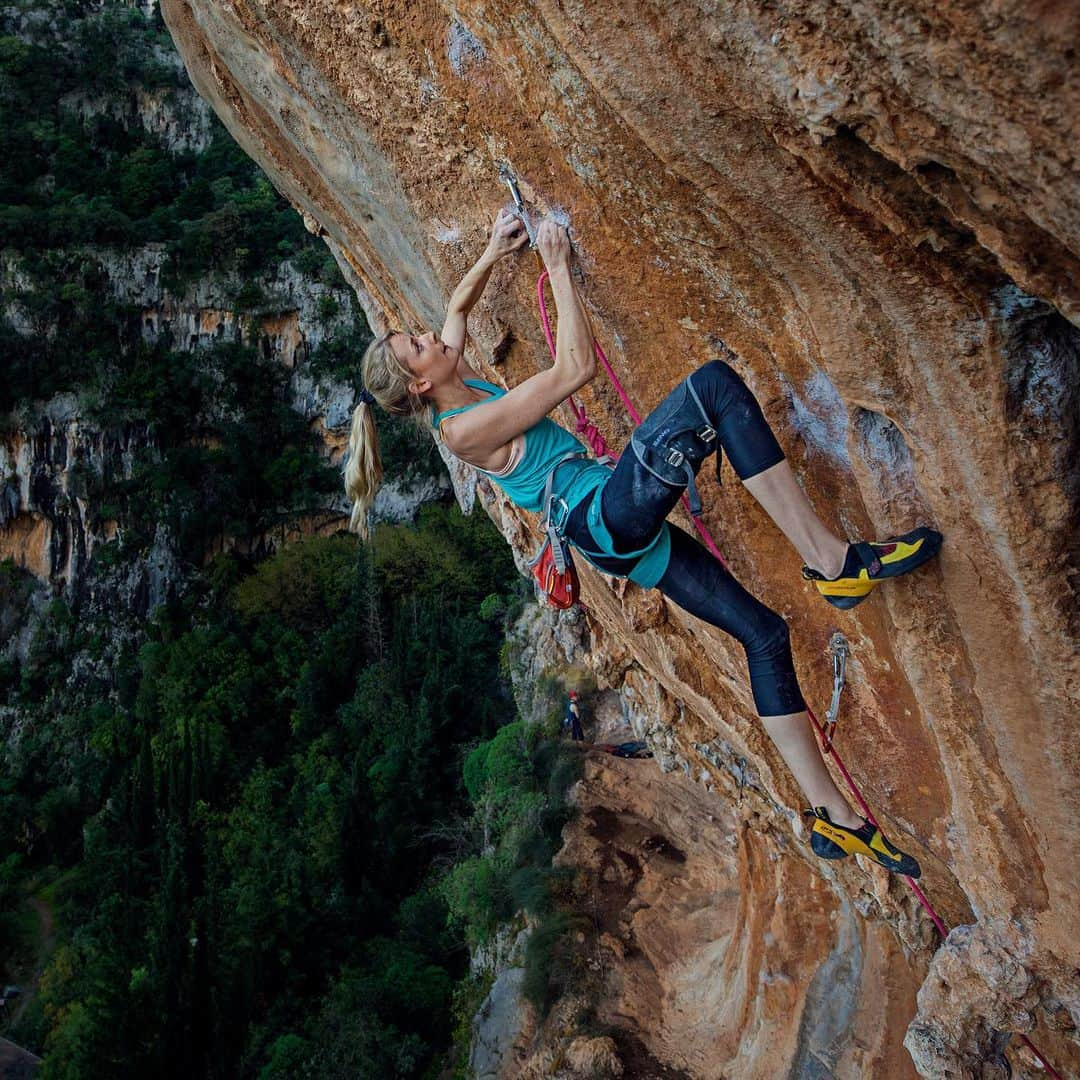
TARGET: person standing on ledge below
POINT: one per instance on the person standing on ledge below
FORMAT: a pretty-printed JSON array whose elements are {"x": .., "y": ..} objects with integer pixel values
[
  {"x": 572, "y": 718},
  {"x": 617, "y": 519}
]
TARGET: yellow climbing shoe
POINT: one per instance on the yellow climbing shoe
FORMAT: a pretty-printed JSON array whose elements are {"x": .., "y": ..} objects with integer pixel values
[
  {"x": 830, "y": 841},
  {"x": 869, "y": 563}
]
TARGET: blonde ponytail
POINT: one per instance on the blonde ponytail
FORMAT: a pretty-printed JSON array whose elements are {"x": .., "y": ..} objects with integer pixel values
[
  {"x": 386, "y": 381},
  {"x": 363, "y": 467}
]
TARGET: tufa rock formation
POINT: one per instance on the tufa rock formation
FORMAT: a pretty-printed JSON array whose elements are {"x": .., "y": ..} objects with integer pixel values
[{"x": 872, "y": 209}]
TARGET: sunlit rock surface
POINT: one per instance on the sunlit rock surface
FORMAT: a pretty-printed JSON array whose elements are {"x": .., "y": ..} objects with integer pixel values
[{"x": 872, "y": 209}]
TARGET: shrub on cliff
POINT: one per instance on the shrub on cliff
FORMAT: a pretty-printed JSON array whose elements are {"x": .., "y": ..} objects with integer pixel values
[
  {"x": 552, "y": 961},
  {"x": 517, "y": 817},
  {"x": 305, "y": 587},
  {"x": 476, "y": 897}
]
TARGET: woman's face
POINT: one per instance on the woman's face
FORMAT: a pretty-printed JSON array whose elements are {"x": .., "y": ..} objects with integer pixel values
[{"x": 430, "y": 360}]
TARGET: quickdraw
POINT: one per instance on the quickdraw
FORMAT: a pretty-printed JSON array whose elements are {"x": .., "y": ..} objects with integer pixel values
[
  {"x": 506, "y": 175},
  {"x": 838, "y": 646}
]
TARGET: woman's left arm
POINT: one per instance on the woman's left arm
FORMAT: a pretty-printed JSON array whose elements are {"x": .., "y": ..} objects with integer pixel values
[{"x": 507, "y": 235}]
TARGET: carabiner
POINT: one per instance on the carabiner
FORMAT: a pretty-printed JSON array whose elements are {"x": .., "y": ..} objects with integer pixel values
[{"x": 506, "y": 175}]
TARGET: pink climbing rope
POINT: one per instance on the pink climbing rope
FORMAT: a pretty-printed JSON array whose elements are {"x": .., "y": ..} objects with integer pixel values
[
  {"x": 869, "y": 815},
  {"x": 592, "y": 433},
  {"x": 599, "y": 447}
]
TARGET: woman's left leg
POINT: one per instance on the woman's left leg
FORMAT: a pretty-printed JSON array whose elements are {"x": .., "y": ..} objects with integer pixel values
[
  {"x": 714, "y": 405},
  {"x": 701, "y": 585},
  {"x": 781, "y": 497}
]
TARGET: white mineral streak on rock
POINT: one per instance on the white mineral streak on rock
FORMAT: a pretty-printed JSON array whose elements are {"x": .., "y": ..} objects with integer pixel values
[{"x": 463, "y": 48}]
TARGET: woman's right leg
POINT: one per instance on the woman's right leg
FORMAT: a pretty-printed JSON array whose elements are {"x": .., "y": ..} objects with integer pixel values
[
  {"x": 760, "y": 464},
  {"x": 714, "y": 404},
  {"x": 781, "y": 497},
  {"x": 641, "y": 493}
]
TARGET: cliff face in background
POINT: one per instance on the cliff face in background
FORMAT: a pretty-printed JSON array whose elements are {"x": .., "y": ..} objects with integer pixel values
[
  {"x": 58, "y": 453},
  {"x": 48, "y": 524},
  {"x": 179, "y": 363},
  {"x": 874, "y": 210}
]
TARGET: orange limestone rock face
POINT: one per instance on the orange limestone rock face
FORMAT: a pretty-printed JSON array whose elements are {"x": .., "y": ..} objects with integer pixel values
[
  {"x": 726, "y": 956},
  {"x": 873, "y": 212}
]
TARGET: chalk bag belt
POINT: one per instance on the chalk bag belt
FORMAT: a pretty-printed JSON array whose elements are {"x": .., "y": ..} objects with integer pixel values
[{"x": 556, "y": 510}]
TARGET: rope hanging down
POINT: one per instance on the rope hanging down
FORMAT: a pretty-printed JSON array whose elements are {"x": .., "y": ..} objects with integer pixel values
[{"x": 596, "y": 441}]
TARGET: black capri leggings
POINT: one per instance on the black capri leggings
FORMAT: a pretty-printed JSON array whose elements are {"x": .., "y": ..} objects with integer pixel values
[{"x": 635, "y": 501}]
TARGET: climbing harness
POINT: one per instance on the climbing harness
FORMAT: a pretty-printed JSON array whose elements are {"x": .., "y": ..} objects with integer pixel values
[
  {"x": 675, "y": 439},
  {"x": 596, "y": 441},
  {"x": 592, "y": 433},
  {"x": 838, "y": 647}
]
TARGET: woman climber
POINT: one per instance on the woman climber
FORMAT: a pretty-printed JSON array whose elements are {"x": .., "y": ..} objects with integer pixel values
[{"x": 617, "y": 518}]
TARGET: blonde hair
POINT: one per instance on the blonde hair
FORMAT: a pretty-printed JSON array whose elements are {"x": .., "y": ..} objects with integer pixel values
[{"x": 387, "y": 379}]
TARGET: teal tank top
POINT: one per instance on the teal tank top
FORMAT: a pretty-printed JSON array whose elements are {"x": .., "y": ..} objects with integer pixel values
[{"x": 546, "y": 444}]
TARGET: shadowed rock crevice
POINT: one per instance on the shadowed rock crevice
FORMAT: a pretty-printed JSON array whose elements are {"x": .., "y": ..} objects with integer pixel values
[{"x": 831, "y": 1003}]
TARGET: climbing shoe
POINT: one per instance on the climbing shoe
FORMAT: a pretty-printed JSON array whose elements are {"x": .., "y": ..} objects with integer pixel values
[
  {"x": 869, "y": 563},
  {"x": 831, "y": 841}
]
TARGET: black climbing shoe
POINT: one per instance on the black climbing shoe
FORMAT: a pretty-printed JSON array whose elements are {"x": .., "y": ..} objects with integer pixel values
[
  {"x": 869, "y": 563},
  {"x": 831, "y": 841}
]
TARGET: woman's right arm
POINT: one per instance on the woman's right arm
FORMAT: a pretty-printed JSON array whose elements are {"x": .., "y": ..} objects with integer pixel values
[
  {"x": 481, "y": 431},
  {"x": 574, "y": 355}
]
